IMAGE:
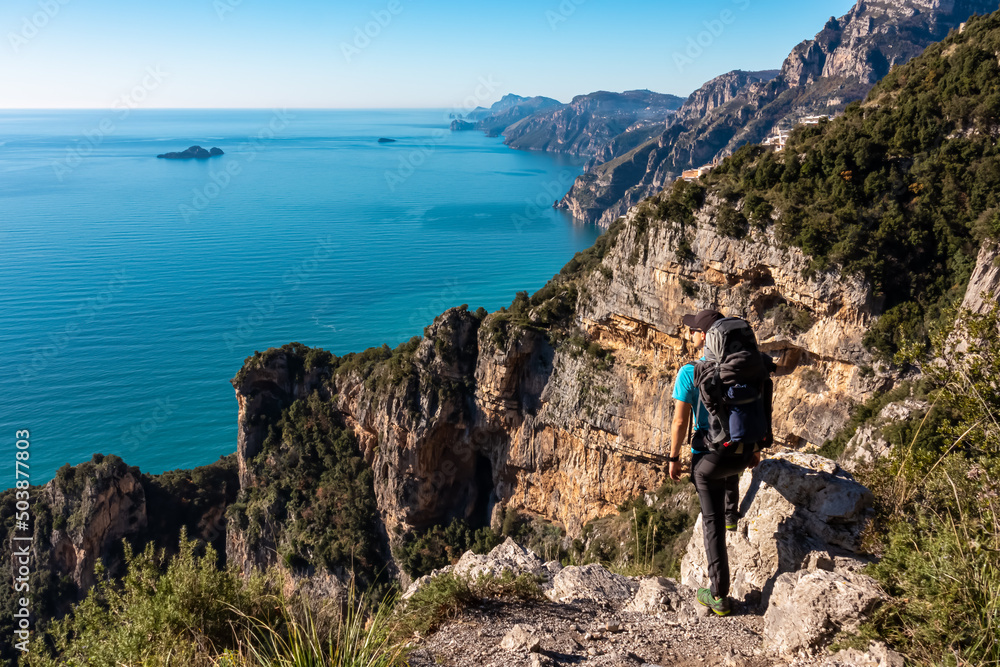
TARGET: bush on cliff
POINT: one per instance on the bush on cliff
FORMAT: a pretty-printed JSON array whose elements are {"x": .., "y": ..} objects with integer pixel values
[
  {"x": 161, "y": 613},
  {"x": 937, "y": 528},
  {"x": 314, "y": 485},
  {"x": 439, "y": 546},
  {"x": 184, "y": 610}
]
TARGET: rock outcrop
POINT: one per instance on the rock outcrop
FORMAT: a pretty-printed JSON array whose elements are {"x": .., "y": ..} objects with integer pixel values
[
  {"x": 94, "y": 515},
  {"x": 820, "y": 76},
  {"x": 984, "y": 286},
  {"x": 810, "y": 607},
  {"x": 798, "y": 511},
  {"x": 194, "y": 152}
]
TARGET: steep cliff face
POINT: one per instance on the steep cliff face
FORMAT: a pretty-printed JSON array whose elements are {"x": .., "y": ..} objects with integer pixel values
[
  {"x": 91, "y": 518},
  {"x": 821, "y": 75},
  {"x": 486, "y": 414}
]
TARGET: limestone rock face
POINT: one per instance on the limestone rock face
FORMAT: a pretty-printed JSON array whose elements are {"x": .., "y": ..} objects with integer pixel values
[
  {"x": 110, "y": 506},
  {"x": 867, "y": 444},
  {"x": 638, "y": 312},
  {"x": 985, "y": 281},
  {"x": 493, "y": 417},
  {"x": 809, "y": 607},
  {"x": 799, "y": 510}
]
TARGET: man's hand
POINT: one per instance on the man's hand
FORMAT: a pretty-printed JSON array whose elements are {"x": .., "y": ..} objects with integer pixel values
[
  {"x": 675, "y": 471},
  {"x": 755, "y": 460}
]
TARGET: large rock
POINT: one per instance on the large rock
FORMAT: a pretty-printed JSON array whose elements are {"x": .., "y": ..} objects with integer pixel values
[
  {"x": 591, "y": 582},
  {"x": 656, "y": 595},
  {"x": 509, "y": 557},
  {"x": 798, "y": 509},
  {"x": 809, "y": 607},
  {"x": 877, "y": 655}
]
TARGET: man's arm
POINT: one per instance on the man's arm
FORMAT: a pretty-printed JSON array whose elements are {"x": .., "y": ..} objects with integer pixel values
[{"x": 678, "y": 434}]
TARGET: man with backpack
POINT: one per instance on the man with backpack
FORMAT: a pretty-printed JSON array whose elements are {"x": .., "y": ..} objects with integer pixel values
[{"x": 728, "y": 395}]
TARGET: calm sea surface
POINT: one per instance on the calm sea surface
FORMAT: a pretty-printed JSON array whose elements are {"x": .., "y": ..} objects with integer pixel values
[{"x": 132, "y": 288}]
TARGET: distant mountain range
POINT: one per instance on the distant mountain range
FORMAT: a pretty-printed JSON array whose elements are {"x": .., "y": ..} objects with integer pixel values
[
  {"x": 640, "y": 141},
  {"x": 585, "y": 126}
]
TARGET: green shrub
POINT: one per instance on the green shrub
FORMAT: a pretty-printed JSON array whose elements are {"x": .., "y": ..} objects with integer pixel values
[
  {"x": 446, "y": 595},
  {"x": 937, "y": 526},
  {"x": 162, "y": 613},
  {"x": 439, "y": 546}
]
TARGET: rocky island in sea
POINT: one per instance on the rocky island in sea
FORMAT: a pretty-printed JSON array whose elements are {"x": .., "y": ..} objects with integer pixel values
[{"x": 193, "y": 152}]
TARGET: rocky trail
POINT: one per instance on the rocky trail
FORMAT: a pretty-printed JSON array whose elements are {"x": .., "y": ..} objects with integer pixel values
[
  {"x": 501, "y": 633},
  {"x": 797, "y": 588}
]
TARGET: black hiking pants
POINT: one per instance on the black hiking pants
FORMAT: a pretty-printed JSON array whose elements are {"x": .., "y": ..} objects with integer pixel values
[{"x": 717, "y": 480}]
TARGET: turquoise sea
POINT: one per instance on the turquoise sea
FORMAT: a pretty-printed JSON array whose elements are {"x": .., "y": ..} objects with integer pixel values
[{"x": 132, "y": 288}]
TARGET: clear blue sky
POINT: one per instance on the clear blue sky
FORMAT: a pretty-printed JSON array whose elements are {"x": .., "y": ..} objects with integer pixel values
[{"x": 424, "y": 53}]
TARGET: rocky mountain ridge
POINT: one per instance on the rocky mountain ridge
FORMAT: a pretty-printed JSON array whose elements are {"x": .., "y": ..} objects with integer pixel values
[
  {"x": 586, "y": 125},
  {"x": 820, "y": 76}
]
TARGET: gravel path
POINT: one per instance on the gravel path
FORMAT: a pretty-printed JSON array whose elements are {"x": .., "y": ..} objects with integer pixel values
[{"x": 586, "y": 633}]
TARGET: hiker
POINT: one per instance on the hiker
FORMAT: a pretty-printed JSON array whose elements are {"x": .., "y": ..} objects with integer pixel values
[{"x": 717, "y": 460}]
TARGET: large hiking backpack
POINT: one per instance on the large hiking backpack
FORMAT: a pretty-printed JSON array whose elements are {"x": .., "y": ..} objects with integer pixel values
[{"x": 734, "y": 383}]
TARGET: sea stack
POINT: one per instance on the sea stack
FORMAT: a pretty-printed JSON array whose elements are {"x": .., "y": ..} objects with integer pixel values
[{"x": 193, "y": 152}]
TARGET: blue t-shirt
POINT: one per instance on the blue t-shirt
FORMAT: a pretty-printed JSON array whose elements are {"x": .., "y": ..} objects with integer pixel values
[{"x": 684, "y": 390}]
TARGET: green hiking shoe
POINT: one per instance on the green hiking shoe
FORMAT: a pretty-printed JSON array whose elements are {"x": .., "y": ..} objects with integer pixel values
[
  {"x": 731, "y": 521},
  {"x": 719, "y": 605}
]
